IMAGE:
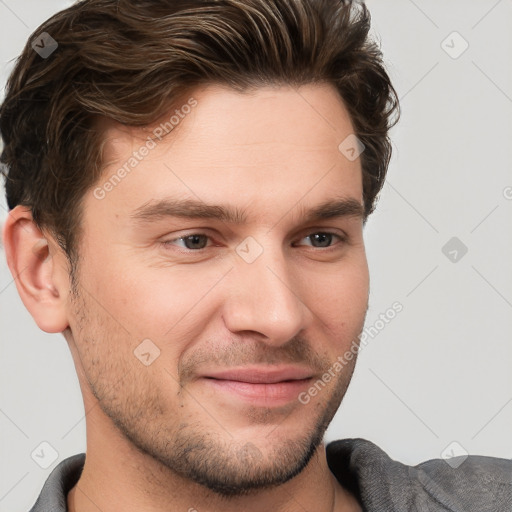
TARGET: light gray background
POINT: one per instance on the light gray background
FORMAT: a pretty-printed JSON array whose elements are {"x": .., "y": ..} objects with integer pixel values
[{"x": 439, "y": 372}]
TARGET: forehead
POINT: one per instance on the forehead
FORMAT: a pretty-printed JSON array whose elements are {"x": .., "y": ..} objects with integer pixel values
[
  {"x": 269, "y": 143},
  {"x": 314, "y": 115}
]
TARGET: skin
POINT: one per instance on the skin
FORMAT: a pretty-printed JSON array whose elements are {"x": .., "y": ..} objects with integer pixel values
[{"x": 160, "y": 437}]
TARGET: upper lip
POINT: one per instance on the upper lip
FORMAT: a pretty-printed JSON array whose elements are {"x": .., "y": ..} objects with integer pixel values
[{"x": 262, "y": 374}]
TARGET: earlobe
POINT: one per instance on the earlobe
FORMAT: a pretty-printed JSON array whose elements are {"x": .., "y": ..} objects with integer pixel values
[{"x": 39, "y": 273}]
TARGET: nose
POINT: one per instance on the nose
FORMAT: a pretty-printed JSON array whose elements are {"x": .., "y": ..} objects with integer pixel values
[{"x": 264, "y": 298}]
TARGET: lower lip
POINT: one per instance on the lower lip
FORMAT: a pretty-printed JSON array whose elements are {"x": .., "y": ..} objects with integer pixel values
[{"x": 278, "y": 393}]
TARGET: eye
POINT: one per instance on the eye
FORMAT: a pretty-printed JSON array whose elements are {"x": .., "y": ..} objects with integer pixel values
[
  {"x": 195, "y": 241},
  {"x": 198, "y": 241},
  {"x": 323, "y": 239}
]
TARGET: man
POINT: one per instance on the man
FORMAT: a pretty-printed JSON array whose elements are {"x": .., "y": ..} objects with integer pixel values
[{"x": 188, "y": 184}]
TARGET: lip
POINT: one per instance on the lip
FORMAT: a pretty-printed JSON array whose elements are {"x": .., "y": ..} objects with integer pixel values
[
  {"x": 261, "y": 386},
  {"x": 262, "y": 375}
]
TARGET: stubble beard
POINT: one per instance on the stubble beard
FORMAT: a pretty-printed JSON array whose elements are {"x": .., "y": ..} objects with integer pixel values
[{"x": 195, "y": 452}]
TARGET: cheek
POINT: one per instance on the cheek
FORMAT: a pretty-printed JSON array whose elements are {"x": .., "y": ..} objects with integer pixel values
[
  {"x": 340, "y": 298},
  {"x": 342, "y": 316},
  {"x": 160, "y": 303}
]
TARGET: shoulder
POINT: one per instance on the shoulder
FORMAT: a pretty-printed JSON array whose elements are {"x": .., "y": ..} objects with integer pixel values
[
  {"x": 475, "y": 483},
  {"x": 482, "y": 483},
  {"x": 60, "y": 481}
]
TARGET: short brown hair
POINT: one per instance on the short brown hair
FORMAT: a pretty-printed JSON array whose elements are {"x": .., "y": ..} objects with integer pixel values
[{"x": 129, "y": 60}]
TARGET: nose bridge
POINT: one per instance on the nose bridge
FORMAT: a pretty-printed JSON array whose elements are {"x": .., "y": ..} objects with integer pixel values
[{"x": 264, "y": 298}]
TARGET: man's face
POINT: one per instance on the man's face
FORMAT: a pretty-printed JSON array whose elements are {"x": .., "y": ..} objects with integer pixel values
[{"x": 268, "y": 297}]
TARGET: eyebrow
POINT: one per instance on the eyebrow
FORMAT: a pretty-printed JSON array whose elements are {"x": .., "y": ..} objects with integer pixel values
[{"x": 195, "y": 209}]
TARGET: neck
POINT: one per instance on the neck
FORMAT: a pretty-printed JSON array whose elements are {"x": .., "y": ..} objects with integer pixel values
[{"x": 117, "y": 476}]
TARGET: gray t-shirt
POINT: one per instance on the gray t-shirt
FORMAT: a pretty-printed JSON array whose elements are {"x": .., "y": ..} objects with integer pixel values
[{"x": 478, "y": 484}]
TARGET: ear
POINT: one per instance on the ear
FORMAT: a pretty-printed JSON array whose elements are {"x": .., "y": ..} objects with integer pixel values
[{"x": 40, "y": 270}]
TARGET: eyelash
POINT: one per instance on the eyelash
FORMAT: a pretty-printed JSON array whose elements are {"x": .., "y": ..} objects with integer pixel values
[{"x": 341, "y": 238}]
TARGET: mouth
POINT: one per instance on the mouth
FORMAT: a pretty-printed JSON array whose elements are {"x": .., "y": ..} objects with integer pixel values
[{"x": 265, "y": 386}]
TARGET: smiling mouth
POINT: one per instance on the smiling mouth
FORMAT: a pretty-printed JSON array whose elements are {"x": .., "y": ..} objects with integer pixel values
[{"x": 266, "y": 386}]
